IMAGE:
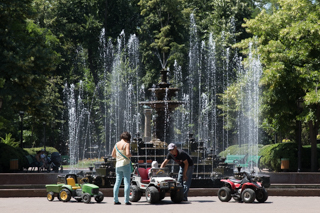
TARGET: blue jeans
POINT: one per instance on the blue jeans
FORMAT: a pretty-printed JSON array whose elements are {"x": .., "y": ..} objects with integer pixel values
[
  {"x": 123, "y": 171},
  {"x": 186, "y": 185}
]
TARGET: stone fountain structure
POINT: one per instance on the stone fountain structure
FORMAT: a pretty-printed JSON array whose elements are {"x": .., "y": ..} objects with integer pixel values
[{"x": 164, "y": 106}]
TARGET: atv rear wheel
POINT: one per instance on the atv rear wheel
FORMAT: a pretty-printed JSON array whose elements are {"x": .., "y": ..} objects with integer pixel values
[
  {"x": 248, "y": 195},
  {"x": 50, "y": 196},
  {"x": 261, "y": 195},
  {"x": 99, "y": 198},
  {"x": 224, "y": 194},
  {"x": 86, "y": 197},
  {"x": 135, "y": 194},
  {"x": 152, "y": 194},
  {"x": 65, "y": 195}
]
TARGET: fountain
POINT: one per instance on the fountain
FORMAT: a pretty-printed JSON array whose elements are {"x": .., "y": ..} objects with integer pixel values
[
  {"x": 200, "y": 123},
  {"x": 164, "y": 106}
]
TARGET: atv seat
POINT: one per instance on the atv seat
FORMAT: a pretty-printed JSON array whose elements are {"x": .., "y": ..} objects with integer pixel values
[
  {"x": 236, "y": 180},
  {"x": 144, "y": 175},
  {"x": 72, "y": 183}
]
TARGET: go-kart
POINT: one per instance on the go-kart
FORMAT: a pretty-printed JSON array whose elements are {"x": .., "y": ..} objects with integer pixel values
[
  {"x": 154, "y": 186},
  {"x": 244, "y": 188},
  {"x": 71, "y": 188}
]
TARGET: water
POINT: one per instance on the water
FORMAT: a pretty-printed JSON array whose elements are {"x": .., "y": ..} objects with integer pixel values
[{"x": 212, "y": 68}]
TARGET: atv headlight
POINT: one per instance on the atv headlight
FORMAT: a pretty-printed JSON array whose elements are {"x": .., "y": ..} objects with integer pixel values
[{"x": 165, "y": 184}]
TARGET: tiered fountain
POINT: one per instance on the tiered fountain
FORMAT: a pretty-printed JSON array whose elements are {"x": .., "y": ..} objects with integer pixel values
[{"x": 163, "y": 106}]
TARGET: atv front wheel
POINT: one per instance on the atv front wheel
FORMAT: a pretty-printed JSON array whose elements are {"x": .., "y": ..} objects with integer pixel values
[
  {"x": 135, "y": 194},
  {"x": 50, "y": 196},
  {"x": 261, "y": 195},
  {"x": 248, "y": 195},
  {"x": 86, "y": 197},
  {"x": 152, "y": 194},
  {"x": 99, "y": 198},
  {"x": 65, "y": 195},
  {"x": 177, "y": 195},
  {"x": 224, "y": 194}
]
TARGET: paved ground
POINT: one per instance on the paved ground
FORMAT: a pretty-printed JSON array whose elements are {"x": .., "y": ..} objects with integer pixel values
[{"x": 194, "y": 205}]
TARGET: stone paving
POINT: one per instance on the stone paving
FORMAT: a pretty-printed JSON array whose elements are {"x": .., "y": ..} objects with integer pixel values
[{"x": 194, "y": 205}]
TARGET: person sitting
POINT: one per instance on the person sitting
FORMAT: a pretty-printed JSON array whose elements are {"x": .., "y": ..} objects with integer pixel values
[
  {"x": 154, "y": 165},
  {"x": 39, "y": 160}
]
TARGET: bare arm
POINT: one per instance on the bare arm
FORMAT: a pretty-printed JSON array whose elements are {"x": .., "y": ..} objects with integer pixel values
[
  {"x": 185, "y": 169},
  {"x": 128, "y": 153},
  {"x": 113, "y": 154},
  {"x": 164, "y": 163}
]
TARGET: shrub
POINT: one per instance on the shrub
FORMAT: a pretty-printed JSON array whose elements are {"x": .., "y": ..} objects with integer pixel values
[{"x": 242, "y": 150}]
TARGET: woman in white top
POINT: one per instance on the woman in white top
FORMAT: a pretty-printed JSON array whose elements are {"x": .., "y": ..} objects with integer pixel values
[{"x": 123, "y": 167}]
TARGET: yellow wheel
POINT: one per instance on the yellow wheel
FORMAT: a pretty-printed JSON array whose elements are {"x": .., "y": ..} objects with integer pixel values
[
  {"x": 50, "y": 196},
  {"x": 65, "y": 195}
]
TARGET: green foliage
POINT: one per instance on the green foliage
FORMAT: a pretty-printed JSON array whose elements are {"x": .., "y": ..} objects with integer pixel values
[
  {"x": 289, "y": 46},
  {"x": 272, "y": 154},
  {"x": 9, "y": 141},
  {"x": 33, "y": 151},
  {"x": 8, "y": 153}
]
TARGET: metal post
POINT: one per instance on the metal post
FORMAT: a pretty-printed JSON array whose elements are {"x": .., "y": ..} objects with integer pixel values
[
  {"x": 44, "y": 137},
  {"x": 299, "y": 146},
  {"x": 21, "y": 113}
]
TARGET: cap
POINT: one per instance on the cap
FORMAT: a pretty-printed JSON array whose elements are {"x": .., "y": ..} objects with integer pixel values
[{"x": 171, "y": 146}]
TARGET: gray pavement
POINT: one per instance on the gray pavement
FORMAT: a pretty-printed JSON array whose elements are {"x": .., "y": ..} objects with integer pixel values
[{"x": 194, "y": 205}]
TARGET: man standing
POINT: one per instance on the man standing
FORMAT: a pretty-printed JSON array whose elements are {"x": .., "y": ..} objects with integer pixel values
[{"x": 186, "y": 167}]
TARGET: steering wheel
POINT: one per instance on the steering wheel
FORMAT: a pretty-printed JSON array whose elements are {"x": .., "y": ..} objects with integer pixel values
[
  {"x": 159, "y": 172},
  {"x": 84, "y": 180}
]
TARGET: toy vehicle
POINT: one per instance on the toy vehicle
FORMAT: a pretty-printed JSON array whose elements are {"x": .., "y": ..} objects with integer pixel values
[
  {"x": 154, "y": 187},
  {"x": 246, "y": 188},
  {"x": 71, "y": 188}
]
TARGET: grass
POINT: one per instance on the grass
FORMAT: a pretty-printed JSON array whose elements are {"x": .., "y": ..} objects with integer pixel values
[{"x": 84, "y": 164}]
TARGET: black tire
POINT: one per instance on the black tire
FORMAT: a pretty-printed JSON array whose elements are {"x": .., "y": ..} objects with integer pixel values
[
  {"x": 152, "y": 194},
  {"x": 135, "y": 194},
  {"x": 224, "y": 194},
  {"x": 99, "y": 198},
  {"x": 65, "y": 195},
  {"x": 177, "y": 195},
  {"x": 86, "y": 197},
  {"x": 248, "y": 195},
  {"x": 50, "y": 196},
  {"x": 162, "y": 195},
  {"x": 261, "y": 195}
]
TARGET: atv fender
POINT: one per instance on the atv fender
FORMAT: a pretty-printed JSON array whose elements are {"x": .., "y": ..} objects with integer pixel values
[
  {"x": 249, "y": 185},
  {"x": 228, "y": 182}
]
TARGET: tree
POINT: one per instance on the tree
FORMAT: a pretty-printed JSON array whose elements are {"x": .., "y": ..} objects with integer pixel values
[
  {"x": 27, "y": 59},
  {"x": 289, "y": 48},
  {"x": 163, "y": 34}
]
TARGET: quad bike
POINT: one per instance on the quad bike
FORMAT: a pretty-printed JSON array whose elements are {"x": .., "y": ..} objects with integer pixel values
[
  {"x": 154, "y": 186},
  {"x": 71, "y": 188},
  {"x": 245, "y": 188}
]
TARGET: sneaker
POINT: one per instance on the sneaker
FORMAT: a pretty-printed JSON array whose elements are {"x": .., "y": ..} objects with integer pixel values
[
  {"x": 117, "y": 203},
  {"x": 128, "y": 203}
]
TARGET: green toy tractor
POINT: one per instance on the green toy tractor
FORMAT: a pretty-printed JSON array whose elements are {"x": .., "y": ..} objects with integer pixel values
[{"x": 71, "y": 188}]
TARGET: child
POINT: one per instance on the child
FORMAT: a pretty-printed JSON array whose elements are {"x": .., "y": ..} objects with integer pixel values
[{"x": 154, "y": 165}]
